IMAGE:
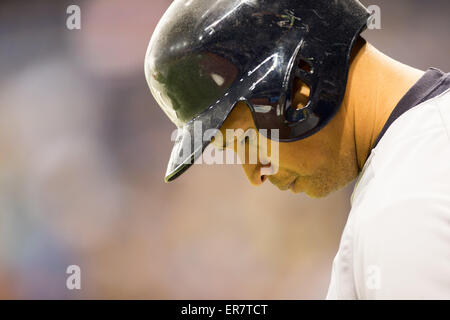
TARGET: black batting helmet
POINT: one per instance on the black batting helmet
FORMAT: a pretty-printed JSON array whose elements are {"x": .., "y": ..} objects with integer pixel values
[{"x": 206, "y": 55}]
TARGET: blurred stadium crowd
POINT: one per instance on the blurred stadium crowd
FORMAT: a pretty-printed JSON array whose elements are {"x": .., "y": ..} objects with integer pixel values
[{"x": 83, "y": 151}]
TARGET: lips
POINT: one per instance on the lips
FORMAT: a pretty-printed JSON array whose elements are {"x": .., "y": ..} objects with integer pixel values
[
  {"x": 287, "y": 186},
  {"x": 284, "y": 181}
]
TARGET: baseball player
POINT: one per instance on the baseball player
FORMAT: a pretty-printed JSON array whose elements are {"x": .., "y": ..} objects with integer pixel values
[{"x": 299, "y": 71}]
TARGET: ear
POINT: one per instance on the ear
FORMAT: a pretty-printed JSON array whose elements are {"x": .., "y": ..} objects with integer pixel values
[{"x": 301, "y": 94}]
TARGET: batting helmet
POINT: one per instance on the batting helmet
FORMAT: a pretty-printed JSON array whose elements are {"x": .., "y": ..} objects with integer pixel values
[{"x": 206, "y": 55}]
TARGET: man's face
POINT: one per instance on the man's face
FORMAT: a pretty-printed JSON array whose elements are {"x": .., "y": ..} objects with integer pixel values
[{"x": 317, "y": 165}]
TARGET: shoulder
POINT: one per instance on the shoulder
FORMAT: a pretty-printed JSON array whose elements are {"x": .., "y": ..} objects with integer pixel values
[
  {"x": 401, "y": 209},
  {"x": 412, "y": 158},
  {"x": 428, "y": 120},
  {"x": 407, "y": 179},
  {"x": 443, "y": 105},
  {"x": 416, "y": 147}
]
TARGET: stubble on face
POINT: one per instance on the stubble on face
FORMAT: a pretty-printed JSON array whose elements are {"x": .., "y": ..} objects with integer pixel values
[{"x": 333, "y": 176}]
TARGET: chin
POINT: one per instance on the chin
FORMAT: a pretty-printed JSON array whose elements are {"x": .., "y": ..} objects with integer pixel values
[
  {"x": 325, "y": 183},
  {"x": 315, "y": 191},
  {"x": 318, "y": 194}
]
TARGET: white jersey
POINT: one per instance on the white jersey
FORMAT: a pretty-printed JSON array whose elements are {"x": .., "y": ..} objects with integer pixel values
[{"x": 396, "y": 243}]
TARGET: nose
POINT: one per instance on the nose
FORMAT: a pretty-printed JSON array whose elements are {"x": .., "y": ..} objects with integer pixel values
[{"x": 253, "y": 173}]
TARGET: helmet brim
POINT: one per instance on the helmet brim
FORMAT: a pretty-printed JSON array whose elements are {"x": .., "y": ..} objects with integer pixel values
[{"x": 193, "y": 138}]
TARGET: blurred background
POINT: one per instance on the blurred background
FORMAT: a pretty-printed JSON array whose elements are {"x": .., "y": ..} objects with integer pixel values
[{"x": 83, "y": 152}]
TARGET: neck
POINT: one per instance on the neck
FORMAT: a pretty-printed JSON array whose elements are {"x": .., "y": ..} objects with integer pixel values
[{"x": 376, "y": 84}]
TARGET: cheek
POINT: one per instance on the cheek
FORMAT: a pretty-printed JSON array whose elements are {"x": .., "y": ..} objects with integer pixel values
[
  {"x": 334, "y": 175},
  {"x": 305, "y": 157}
]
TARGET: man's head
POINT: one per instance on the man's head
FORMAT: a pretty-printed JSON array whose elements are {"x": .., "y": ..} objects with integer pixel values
[
  {"x": 316, "y": 166},
  {"x": 275, "y": 65}
]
